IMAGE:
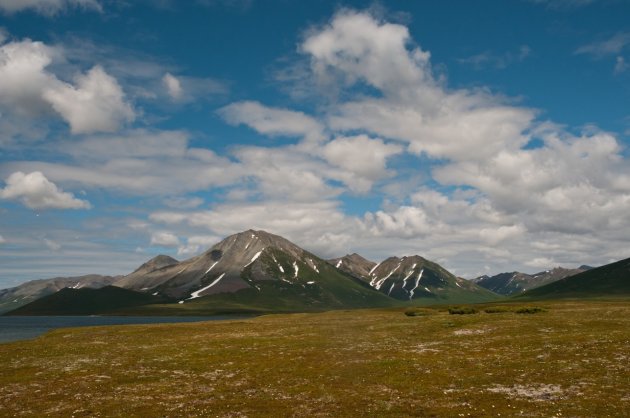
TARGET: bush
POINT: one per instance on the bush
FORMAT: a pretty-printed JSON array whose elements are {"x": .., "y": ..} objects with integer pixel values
[
  {"x": 462, "y": 311},
  {"x": 530, "y": 310},
  {"x": 418, "y": 312}
]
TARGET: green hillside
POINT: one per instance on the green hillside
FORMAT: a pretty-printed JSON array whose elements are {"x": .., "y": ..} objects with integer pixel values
[
  {"x": 86, "y": 302},
  {"x": 609, "y": 280}
]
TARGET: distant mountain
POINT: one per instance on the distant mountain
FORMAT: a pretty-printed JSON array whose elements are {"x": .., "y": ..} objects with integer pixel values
[
  {"x": 354, "y": 265},
  {"x": 413, "y": 278},
  {"x": 146, "y": 273},
  {"x": 69, "y": 301},
  {"x": 254, "y": 270},
  {"x": 609, "y": 280},
  {"x": 515, "y": 282},
  {"x": 27, "y": 292}
]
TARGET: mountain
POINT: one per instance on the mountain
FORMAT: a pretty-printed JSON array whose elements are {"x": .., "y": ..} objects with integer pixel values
[
  {"x": 27, "y": 292},
  {"x": 143, "y": 277},
  {"x": 354, "y": 265},
  {"x": 69, "y": 301},
  {"x": 515, "y": 282},
  {"x": 609, "y": 280},
  {"x": 255, "y": 270},
  {"x": 413, "y": 278}
]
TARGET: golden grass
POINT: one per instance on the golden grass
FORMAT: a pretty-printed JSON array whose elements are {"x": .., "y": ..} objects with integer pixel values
[{"x": 571, "y": 361}]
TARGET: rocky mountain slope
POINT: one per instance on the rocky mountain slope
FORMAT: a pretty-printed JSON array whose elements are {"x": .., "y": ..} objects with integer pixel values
[
  {"x": 611, "y": 280},
  {"x": 412, "y": 278},
  {"x": 25, "y": 293},
  {"x": 354, "y": 265},
  {"x": 515, "y": 282}
]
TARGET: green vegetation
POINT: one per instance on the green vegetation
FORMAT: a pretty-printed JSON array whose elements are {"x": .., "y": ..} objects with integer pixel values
[
  {"x": 67, "y": 301},
  {"x": 467, "y": 310},
  {"x": 419, "y": 312},
  {"x": 571, "y": 361}
]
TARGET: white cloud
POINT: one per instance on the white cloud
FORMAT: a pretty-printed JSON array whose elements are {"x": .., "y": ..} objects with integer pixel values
[
  {"x": 173, "y": 86},
  {"x": 28, "y": 89},
  {"x": 2, "y": 240},
  {"x": 318, "y": 226},
  {"x": 610, "y": 46},
  {"x": 494, "y": 236},
  {"x": 35, "y": 191},
  {"x": 139, "y": 161},
  {"x": 164, "y": 239},
  {"x": 542, "y": 262},
  {"x": 52, "y": 245},
  {"x": 23, "y": 77},
  {"x": 196, "y": 244},
  {"x": 96, "y": 104},
  {"x": 47, "y": 7},
  {"x": 361, "y": 155},
  {"x": 415, "y": 107},
  {"x": 355, "y": 47},
  {"x": 272, "y": 121},
  {"x": 621, "y": 65}
]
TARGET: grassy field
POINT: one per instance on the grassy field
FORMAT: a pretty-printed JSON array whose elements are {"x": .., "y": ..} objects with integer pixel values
[{"x": 570, "y": 360}]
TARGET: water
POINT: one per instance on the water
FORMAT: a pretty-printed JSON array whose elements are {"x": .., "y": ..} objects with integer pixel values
[{"x": 14, "y": 328}]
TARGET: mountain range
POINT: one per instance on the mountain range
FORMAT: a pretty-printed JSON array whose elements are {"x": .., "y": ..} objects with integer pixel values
[
  {"x": 513, "y": 283},
  {"x": 255, "y": 271}
]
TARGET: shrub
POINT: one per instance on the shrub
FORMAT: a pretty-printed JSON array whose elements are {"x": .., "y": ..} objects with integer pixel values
[
  {"x": 417, "y": 312},
  {"x": 530, "y": 310},
  {"x": 462, "y": 311}
]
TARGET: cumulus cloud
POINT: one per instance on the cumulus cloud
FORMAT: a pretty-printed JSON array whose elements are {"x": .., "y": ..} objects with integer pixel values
[
  {"x": 96, "y": 102},
  {"x": 47, "y": 7},
  {"x": 272, "y": 121},
  {"x": 35, "y": 191},
  {"x": 23, "y": 77},
  {"x": 164, "y": 239},
  {"x": 173, "y": 86},
  {"x": 415, "y": 107}
]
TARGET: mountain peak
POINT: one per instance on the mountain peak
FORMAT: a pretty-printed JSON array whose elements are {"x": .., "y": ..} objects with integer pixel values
[{"x": 156, "y": 263}]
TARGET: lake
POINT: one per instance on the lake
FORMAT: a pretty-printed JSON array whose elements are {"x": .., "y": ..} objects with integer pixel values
[{"x": 14, "y": 328}]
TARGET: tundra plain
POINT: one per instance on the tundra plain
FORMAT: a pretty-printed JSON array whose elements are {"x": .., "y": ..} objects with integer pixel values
[{"x": 570, "y": 359}]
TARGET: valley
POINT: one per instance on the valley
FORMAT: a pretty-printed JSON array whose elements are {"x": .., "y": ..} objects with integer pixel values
[{"x": 569, "y": 360}]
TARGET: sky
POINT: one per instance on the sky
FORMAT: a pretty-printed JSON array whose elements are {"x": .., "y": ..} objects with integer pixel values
[{"x": 487, "y": 136}]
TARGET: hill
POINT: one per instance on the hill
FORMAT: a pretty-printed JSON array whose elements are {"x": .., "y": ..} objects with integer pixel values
[
  {"x": 70, "y": 301},
  {"x": 25, "y": 293},
  {"x": 516, "y": 282},
  {"x": 609, "y": 280}
]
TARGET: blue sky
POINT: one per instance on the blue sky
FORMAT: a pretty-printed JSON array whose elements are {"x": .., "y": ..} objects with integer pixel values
[{"x": 487, "y": 136}]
